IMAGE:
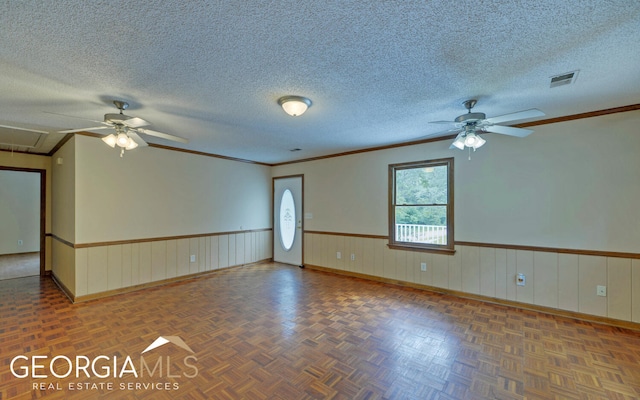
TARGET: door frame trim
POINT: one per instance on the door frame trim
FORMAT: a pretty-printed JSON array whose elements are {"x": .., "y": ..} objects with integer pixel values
[{"x": 273, "y": 227}]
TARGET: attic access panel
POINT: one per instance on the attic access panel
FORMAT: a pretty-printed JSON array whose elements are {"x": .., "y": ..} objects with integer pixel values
[{"x": 19, "y": 138}]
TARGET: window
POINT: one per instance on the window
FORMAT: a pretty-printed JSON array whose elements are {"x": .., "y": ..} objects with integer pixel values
[
  {"x": 287, "y": 220},
  {"x": 421, "y": 205}
]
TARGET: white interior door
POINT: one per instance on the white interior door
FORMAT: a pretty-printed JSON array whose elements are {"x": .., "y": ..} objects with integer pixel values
[{"x": 287, "y": 220}]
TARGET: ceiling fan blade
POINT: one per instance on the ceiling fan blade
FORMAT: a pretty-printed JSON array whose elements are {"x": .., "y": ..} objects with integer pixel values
[
  {"x": 442, "y": 122},
  {"x": 23, "y": 129},
  {"x": 135, "y": 122},
  {"x": 508, "y": 130},
  {"x": 438, "y": 134},
  {"x": 136, "y": 138},
  {"x": 163, "y": 135},
  {"x": 84, "y": 129},
  {"x": 72, "y": 116},
  {"x": 526, "y": 114}
]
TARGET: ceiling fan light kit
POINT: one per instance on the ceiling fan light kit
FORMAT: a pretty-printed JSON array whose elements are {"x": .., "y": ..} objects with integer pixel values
[
  {"x": 294, "y": 105},
  {"x": 122, "y": 140},
  {"x": 468, "y": 139}
]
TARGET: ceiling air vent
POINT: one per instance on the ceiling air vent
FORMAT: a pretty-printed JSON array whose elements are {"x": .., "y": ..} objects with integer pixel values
[{"x": 564, "y": 79}]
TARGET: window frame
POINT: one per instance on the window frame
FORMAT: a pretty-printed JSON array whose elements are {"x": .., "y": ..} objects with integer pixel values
[{"x": 425, "y": 247}]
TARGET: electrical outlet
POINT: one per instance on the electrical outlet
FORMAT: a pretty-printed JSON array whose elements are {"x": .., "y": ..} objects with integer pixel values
[
  {"x": 423, "y": 267},
  {"x": 192, "y": 258},
  {"x": 521, "y": 280},
  {"x": 353, "y": 257},
  {"x": 601, "y": 290},
  {"x": 338, "y": 255}
]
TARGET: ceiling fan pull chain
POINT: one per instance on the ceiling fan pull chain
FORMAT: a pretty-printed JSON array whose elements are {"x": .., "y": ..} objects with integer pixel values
[{"x": 469, "y": 153}]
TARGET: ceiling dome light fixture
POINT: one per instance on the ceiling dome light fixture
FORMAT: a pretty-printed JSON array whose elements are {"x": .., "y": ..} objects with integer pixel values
[{"x": 294, "y": 105}]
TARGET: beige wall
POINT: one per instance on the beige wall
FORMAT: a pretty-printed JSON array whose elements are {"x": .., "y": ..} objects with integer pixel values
[
  {"x": 19, "y": 212},
  {"x": 29, "y": 161},
  {"x": 556, "y": 280},
  {"x": 569, "y": 185},
  {"x": 64, "y": 191},
  {"x": 126, "y": 220},
  {"x": 105, "y": 268},
  {"x": 154, "y": 192},
  {"x": 63, "y": 215},
  {"x": 64, "y": 265}
]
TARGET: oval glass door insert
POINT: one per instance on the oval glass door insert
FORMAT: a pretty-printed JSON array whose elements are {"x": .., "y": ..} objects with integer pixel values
[{"x": 287, "y": 220}]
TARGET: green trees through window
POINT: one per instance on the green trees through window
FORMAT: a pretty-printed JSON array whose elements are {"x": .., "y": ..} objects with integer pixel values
[
  {"x": 418, "y": 190},
  {"x": 421, "y": 204}
]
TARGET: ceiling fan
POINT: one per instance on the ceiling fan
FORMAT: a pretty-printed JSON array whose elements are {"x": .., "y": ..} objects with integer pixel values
[
  {"x": 472, "y": 123},
  {"x": 127, "y": 129}
]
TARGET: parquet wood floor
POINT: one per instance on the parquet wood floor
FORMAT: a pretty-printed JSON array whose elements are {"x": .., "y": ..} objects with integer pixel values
[{"x": 271, "y": 331}]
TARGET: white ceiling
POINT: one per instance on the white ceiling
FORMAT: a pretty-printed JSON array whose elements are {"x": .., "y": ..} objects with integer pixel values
[{"x": 376, "y": 71}]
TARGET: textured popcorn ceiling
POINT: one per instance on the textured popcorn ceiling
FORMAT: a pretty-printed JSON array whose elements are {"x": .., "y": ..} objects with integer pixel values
[{"x": 376, "y": 71}]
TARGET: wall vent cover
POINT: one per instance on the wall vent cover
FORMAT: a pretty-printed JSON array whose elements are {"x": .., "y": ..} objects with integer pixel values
[{"x": 564, "y": 79}]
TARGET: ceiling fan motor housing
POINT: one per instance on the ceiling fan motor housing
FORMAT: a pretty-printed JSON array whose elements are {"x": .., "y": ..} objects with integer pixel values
[
  {"x": 116, "y": 118},
  {"x": 471, "y": 117}
]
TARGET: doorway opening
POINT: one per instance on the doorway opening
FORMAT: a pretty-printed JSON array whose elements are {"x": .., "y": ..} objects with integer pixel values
[{"x": 22, "y": 244}]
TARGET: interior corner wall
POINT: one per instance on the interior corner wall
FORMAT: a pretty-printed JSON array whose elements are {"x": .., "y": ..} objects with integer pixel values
[
  {"x": 63, "y": 218},
  {"x": 569, "y": 186},
  {"x": 38, "y": 162},
  {"x": 64, "y": 192}
]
